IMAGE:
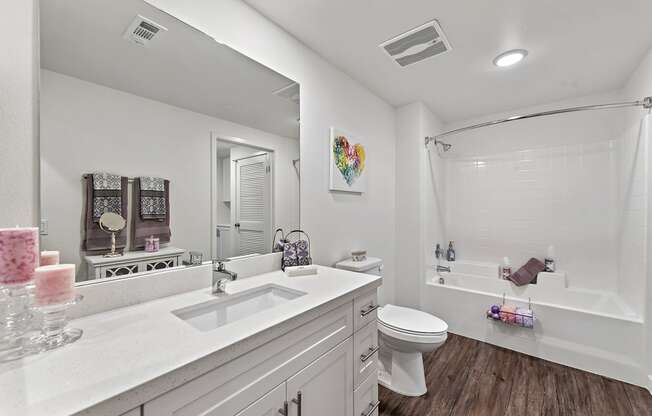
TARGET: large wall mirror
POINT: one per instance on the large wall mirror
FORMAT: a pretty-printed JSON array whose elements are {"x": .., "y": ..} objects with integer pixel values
[{"x": 195, "y": 145}]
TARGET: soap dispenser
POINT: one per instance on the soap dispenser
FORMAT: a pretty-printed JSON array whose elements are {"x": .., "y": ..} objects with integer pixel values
[
  {"x": 549, "y": 261},
  {"x": 450, "y": 253}
]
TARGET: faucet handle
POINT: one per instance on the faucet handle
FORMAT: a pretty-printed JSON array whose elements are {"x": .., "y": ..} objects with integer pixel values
[{"x": 220, "y": 263}]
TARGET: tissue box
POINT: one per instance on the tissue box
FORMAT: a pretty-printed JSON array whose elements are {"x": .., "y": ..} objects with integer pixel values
[{"x": 301, "y": 270}]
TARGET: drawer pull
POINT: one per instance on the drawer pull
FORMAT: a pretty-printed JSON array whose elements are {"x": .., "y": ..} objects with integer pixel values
[
  {"x": 372, "y": 351},
  {"x": 284, "y": 410},
  {"x": 372, "y": 409},
  {"x": 371, "y": 308},
  {"x": 297, "y": 401}
]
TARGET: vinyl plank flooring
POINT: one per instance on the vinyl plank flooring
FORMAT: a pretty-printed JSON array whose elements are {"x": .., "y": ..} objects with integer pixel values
[{"x": 466, "y": 377}]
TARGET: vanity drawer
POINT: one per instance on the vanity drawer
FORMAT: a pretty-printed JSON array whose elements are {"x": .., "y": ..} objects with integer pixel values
[
  {"x": 133, "y": 412},
  {"x": 365, "y": 397},
  {"x": 228, "y": 389},
  {"x": 365, "y": 309},
  {"x": 365, "y": 351}
]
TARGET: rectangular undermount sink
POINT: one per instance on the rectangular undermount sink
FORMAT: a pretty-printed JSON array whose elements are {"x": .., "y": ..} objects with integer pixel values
[{"x": 213, "y": 314}]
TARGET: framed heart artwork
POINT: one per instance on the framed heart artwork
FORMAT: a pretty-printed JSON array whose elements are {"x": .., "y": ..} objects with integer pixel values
[{"x": 347, "y": 163}]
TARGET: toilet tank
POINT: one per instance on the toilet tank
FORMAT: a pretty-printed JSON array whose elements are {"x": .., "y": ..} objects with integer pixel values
[{"x": 371, "y": 265}]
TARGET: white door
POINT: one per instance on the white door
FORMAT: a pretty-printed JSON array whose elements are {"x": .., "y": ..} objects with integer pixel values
[
  {"x": 325, "y": 387},
  {"x": 271, "y": 404},
  {"x": 253, "y": 214}
]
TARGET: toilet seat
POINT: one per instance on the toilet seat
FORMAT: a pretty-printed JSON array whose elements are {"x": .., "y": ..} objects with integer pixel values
[{"x": 411, "y": 325}]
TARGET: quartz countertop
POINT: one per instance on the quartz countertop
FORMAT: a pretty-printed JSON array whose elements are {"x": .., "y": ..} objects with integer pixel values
[{"x": 131, "y": 355}]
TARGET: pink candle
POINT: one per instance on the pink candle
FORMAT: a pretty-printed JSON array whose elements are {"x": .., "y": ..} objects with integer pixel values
[
  {"x": 19, "y": 255},
  {"x": 54, "y": 284},
  {"x": 48, "y": 258}
]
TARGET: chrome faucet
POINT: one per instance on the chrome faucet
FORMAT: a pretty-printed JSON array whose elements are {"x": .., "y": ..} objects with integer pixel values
[
  {"x": 221, "y": 276},
  {"x": 441, "y": 268}
]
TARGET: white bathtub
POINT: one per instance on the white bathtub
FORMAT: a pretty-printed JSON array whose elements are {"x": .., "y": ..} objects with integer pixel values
[{"x": 591, "y": 330}]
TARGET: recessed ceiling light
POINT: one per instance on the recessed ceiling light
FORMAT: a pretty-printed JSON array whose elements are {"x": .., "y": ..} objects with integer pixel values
[{"x": 510, "y": 58}]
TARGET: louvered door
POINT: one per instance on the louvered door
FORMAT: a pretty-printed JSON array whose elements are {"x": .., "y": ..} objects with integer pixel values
[{"x": 253, "y": 206}]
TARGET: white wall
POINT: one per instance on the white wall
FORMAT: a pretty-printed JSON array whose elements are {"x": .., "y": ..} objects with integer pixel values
[
  {"x": 640, "y": 85},
  {"x": 86, "y": 127},
  {"x": 18, "y": 114},
  {"x": 419, "y": 224},
  {"x": 336, "y": 222}
]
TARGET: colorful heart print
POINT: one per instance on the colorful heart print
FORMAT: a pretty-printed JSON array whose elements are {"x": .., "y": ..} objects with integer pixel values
[{"x": 348, "y": 158}]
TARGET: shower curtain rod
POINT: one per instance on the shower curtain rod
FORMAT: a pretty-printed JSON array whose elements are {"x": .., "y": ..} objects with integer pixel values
[{"x": 645, "y": 103}]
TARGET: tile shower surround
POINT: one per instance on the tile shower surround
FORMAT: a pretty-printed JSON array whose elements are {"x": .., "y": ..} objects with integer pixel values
[{"x": 518, "y": 203}]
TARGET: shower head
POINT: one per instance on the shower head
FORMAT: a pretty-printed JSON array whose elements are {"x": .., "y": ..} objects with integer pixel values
[{"x": 444, "y": 146}]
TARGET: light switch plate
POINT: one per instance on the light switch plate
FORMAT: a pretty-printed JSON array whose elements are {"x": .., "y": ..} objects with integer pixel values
[{"x": 44, "y": 227}]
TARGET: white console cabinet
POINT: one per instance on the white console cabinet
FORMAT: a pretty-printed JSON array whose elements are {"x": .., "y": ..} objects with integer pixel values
[
  {"x": 309, "y": 371},
  {"x": 100, "y": 267}
]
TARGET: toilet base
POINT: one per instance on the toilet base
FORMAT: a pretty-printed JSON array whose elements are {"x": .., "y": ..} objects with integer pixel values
[{"x": 402, "y": 372}]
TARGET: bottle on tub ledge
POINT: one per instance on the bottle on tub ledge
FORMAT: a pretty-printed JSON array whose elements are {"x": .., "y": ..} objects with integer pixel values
[
  {"x": 506, "y": 269},
  {"x": 450, "y": 253},
  {"x": 549, "y": 261}
]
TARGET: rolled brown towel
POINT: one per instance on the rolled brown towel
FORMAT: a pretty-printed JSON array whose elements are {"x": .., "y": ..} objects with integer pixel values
[{"x": 528, "y": 273}]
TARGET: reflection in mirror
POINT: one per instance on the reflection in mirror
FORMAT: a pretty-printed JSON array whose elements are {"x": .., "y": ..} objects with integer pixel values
[
  {"x": 256, "y": 191},
  {"x": 194, "y": 145},
  {"x": 112, "y": 223}
]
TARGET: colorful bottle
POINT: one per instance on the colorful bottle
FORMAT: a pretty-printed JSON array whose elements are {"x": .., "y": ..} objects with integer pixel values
[{"x": 450, "y": 253}]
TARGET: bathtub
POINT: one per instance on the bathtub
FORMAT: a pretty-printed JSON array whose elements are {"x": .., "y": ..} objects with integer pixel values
[{"x": 591, "y": 330}]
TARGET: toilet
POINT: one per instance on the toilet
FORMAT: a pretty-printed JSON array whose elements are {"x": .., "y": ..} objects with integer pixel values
[{"x": 404, "y": 335}]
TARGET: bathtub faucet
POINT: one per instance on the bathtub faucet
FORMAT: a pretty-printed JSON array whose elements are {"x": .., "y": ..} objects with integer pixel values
[{"x": 441, "y": 268}]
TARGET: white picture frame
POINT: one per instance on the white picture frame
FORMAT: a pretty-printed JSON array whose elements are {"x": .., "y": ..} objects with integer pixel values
[{"x": 348, "y": 162}]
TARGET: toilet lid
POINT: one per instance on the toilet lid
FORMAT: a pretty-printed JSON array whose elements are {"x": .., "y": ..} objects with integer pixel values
[{"x": 410, "y": 320}]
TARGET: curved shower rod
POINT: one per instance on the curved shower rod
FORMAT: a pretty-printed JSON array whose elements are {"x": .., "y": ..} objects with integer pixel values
[{"x": 645, "y": 103}]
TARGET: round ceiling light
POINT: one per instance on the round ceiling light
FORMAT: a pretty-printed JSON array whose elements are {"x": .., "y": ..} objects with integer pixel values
[{"x": 510, "y": 58}]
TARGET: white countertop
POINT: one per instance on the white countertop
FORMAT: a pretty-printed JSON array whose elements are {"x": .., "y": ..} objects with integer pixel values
[{"x": 130, "y": 355}]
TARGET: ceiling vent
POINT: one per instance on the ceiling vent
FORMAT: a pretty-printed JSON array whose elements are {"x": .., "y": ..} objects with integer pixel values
[
  {"x": 290, "y": 92},
  {"x": 142, "y": 30},
  {"x": 418, "y": 44}
]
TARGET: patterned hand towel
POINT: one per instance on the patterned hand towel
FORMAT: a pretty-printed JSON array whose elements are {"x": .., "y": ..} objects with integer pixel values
[
  {"x": 107, "y": 194},
  {"x": 94, "y": 238},
  {"x": 152, "y": 198},
  {"x": 143, "y": 228}
]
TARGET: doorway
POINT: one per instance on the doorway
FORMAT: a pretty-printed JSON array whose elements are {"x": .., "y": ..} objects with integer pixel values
[{"x": 242, "y": 199}]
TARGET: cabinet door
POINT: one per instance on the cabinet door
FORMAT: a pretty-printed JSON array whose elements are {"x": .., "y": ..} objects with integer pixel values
[
  {"x": 325, "y": 387},
  {"x": 271, "y": 404}
]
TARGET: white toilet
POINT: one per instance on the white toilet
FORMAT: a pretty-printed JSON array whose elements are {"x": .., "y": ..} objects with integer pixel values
[{"x": 404, "y": 335}]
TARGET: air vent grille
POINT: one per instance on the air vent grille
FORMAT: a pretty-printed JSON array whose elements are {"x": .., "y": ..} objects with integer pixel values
[
  {"x": 418, "y": 44},
  {"x": 142, "y": 30}
]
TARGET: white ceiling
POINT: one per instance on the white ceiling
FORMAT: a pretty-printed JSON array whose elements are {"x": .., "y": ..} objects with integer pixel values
[
  {"x": 182, "y": 67},
  {"x": 576, "y": 47}
]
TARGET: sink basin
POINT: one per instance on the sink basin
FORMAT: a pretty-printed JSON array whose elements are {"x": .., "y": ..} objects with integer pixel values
[{"x": 216, "y": 313}]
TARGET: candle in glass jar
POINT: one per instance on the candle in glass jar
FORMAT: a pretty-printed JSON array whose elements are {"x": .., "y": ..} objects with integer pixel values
[
  {"x": 48, "y": 258},
  {"x": 19, "y": 255},
  {"x": 54, "y": 284}
]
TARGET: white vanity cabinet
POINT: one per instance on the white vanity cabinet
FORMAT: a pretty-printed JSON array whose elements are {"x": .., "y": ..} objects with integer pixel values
[
  {"x": 309, "y": 371},
  {"x": 325, "y": 387},
  {"x": 270, "y": 404}
]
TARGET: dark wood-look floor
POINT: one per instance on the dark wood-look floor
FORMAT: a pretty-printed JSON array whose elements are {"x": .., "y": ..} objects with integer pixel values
[{"x": 466, "y": 377}]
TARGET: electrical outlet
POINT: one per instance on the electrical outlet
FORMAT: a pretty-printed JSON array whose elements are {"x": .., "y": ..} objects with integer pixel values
[{"x": 44, "y": 227}]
